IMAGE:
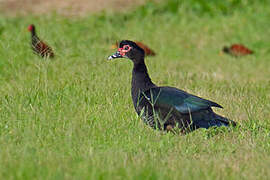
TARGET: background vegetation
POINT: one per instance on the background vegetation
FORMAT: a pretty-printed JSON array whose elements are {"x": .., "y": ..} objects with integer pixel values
[{"x": 72, "y": 117}]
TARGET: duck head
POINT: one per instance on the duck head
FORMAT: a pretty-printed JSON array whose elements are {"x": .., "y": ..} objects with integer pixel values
[{"x": 128, "y": 49}]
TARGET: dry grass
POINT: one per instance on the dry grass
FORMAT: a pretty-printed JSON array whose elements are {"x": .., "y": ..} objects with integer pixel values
[{"x": 65, "y": 7}]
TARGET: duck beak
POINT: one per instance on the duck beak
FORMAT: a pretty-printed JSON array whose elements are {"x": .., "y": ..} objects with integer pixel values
[{"x": 115, "y": 55}]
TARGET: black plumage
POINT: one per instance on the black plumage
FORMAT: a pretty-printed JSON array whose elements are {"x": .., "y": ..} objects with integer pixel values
[{"x": 166, "y": 107}]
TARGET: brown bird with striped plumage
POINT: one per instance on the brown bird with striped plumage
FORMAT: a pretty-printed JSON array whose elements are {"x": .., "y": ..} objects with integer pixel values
[{"x": 38, "y": 46}]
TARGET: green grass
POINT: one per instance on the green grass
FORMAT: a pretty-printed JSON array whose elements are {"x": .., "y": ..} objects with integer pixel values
[{"x": 72, "y": 117}]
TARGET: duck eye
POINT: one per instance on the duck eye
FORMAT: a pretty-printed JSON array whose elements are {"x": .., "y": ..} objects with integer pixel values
[{"x": 126, "y": 47}]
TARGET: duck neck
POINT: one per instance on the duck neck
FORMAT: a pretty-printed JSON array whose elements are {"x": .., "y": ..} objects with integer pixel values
[{"x": 140, "y": 80}]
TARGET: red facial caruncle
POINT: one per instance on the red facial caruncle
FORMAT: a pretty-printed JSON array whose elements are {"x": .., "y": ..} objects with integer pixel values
[{"x": 124, "y": 50}]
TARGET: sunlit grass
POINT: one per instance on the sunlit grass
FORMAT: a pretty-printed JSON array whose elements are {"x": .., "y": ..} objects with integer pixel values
[{"x": 73, "y": 117}]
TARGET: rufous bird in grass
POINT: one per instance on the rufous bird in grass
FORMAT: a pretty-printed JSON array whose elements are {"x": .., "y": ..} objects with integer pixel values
[
  {"x": 38, "y": 46},
  {"x": 237, "y": 50}
]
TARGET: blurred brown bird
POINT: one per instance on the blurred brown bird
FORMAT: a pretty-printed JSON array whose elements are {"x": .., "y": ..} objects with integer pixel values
[
  {"x": 38, "y": 46},
  {"x": 237, "y": 50},
  {"x": 147, "y": 50}
]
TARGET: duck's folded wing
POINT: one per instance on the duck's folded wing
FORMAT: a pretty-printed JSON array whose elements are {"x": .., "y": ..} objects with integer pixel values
[{"x": 177, "y": 99}]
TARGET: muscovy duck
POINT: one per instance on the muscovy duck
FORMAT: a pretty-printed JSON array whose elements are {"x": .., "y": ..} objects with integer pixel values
[{"x": 166, "y": 108}]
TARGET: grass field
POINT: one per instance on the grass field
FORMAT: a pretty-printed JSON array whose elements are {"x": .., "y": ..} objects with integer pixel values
[{"x": 73, "y": 118}]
